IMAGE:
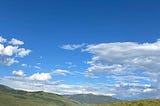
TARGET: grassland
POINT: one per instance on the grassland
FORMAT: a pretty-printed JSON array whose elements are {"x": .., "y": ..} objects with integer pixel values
[{"x": 133, "y": 103}]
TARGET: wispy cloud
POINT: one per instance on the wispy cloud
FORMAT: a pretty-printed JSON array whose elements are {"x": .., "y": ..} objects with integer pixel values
[
  {"x": 90, "y": 75},
  {"x": 72, "y": 46},
  {"x": 70, "y": 64},
  {"x": 61, "y": 72},
  {"x": 37, "y": 67},
  {"x": 124, "y": 57}
]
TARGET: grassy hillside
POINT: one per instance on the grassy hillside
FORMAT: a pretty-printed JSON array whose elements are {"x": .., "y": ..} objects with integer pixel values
[
  {"x": 11, "y": 97},
  {"x": 133, "y": 103},
  {"x": 93, "y": 99}
]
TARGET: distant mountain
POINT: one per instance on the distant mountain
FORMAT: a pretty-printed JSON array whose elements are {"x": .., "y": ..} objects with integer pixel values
[
  {"x": 92, "y": 99},
  {"x": 12, "y": 97}
]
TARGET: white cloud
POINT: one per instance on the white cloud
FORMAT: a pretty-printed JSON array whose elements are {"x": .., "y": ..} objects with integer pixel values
[
  {"x": 110, "y": 94},
  {"x": 18, "y": 73},
  {"x": 148, "y": 90},
  {"x": 70, "y": 64},
  {"x": 106, "y": 68},
  {"x": 37, "y": 67},
  {"x": 72, "y": 47},
  {"x": 124, "y": 56},
  {"x": 1, "y": 49},
  {"x": 2, "y": 40},
  {"x": 125, "y": 63},
  {"x": 8, "y": 61},
  {"x": 129, "y": 78},
  {"x": 24, "y": 65},
  {"x": 23, "y": 52},
  {"x": 9, "y": 50},
  {"x": 16, "y": 42},
  {"x": 13, "y": 50},
  {"x": 9, "y": 53},
  {"x": 41, "y": 76},
  {"x": 90, "y": 75},
  {"x": 61, "y": 72}
]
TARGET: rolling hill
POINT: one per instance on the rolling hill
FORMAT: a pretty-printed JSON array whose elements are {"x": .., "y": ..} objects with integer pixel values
[
  {"x": 92, "y": 99},
  {"x": 11, "y": 97}
]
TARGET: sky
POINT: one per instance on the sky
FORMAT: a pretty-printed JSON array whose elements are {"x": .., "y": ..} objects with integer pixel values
[{"x": 104, "y": 47}]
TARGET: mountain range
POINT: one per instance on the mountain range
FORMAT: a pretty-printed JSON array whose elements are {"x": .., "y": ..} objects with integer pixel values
[{"x": 92, "y": 99}]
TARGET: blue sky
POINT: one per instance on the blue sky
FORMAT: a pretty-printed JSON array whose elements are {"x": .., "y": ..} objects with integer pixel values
[{"x": 107, "y": 47}]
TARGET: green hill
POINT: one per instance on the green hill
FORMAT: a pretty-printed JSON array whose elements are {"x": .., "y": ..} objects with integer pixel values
[
  {"x": 155, "y": 102},
  {"x": 11, "y": 97},
  {"x": 92, "y": 99}
]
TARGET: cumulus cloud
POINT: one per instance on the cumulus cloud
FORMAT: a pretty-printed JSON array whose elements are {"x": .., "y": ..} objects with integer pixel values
[
  {"x": 61, "y": 72},
  {"x": 2, "y": 40},
  {"x": 8, "y": 53},
  {"x": 16, "y": 42},
  {"x": 18, "y": 73},
  {"x": 21, "y": 52},
  {"x": 8, "y": 61},
  {"x": 41, "y": 76},
  {"x": 72, "y": 47},
  {"x": 8, "y": 50}
]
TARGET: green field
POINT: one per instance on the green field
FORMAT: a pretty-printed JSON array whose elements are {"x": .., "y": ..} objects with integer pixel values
[{"x": 133, "y": 103}]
